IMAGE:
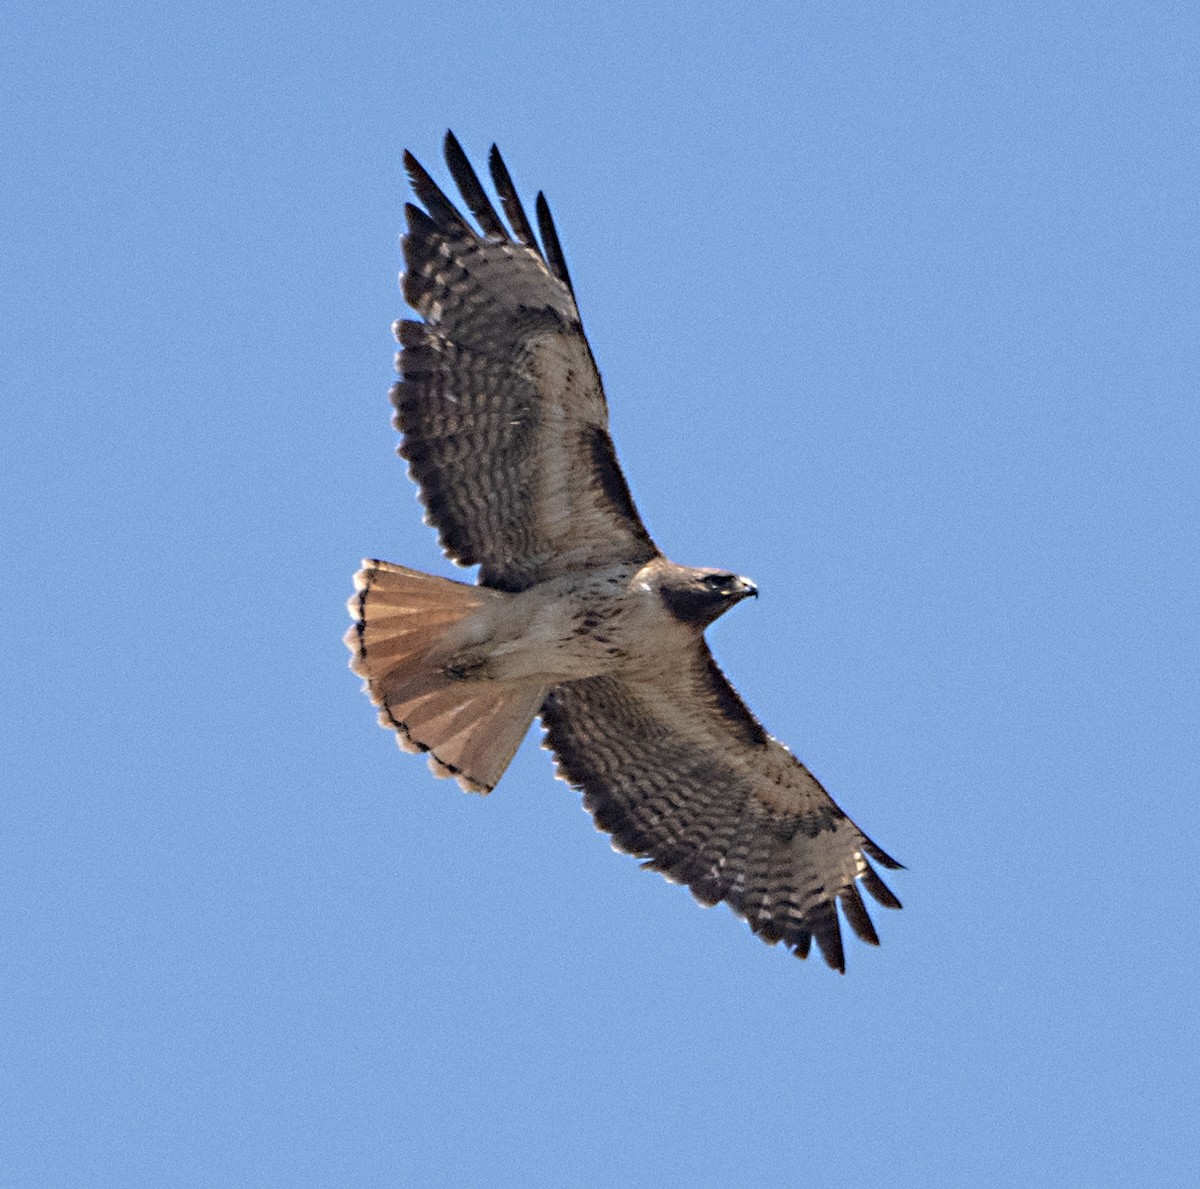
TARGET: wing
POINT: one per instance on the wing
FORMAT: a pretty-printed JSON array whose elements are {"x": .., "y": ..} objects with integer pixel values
[
  {"x": 500, "y": 403},
  {"x": 680, "y": 773}
]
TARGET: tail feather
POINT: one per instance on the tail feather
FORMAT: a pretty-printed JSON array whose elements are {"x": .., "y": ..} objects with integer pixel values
[
  {"x": 485, "y": 747},
  {"x": 399, "y": 646}
]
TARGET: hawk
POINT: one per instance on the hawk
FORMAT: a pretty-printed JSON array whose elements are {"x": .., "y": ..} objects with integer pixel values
[{"x": 576, "y": 616}]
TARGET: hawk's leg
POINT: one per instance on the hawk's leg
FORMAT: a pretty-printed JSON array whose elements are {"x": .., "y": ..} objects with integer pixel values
[{"x": 468, "y": 664}]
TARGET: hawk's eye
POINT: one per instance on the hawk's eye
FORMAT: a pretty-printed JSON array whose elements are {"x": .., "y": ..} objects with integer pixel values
[{"x": 716, "y": 582}]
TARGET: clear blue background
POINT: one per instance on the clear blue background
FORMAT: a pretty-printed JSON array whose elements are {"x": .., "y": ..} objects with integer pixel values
[{"x": 897, "y": 310}]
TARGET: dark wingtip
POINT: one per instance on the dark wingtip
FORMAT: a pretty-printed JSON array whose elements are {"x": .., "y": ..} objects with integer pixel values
[
  {"x": 882, "y": 856},
  {"x": 877, "y": 888},
  {"x": 510, "y": 201},
  {"x": 470, "y": 188},
  {"x": 551, "y": 243},
  {"x": 413, "y": 168},
  {"x": 835, "y": 955},
  {"x": 855, "y": 912},
  {"x": 440, "y": 208}
]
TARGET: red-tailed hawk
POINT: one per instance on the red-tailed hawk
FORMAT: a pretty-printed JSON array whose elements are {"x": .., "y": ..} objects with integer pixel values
[{"x": 577, "y": 616}]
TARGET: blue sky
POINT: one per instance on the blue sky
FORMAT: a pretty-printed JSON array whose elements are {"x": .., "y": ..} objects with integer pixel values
[{"x": 896, "y": 308}]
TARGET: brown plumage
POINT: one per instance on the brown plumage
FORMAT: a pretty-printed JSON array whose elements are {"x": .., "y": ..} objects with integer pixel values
[{"x": 576, "y": 616}]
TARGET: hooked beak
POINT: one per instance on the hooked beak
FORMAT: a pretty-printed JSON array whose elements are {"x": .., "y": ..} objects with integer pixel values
[{"x": 744, "y": 588}]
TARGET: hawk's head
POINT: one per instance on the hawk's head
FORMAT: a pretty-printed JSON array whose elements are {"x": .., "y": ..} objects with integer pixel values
[{"x": 698, "y": 596}]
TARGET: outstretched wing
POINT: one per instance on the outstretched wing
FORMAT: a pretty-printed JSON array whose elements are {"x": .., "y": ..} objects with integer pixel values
[
  {"x": 500, "y": 403},
  {"x": 680, "y": 773}
]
